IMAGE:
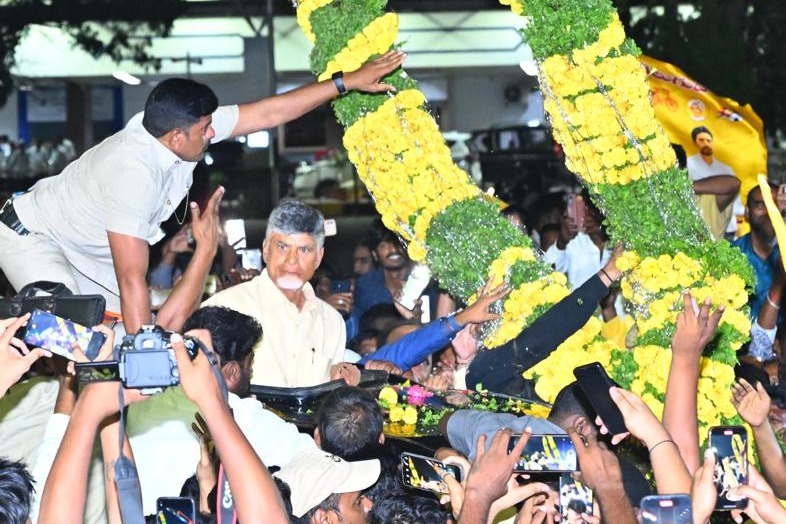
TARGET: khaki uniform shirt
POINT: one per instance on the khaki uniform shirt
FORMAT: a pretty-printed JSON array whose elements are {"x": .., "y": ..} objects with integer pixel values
[
  {"x": 298, "y": 346},
  {"x": 127, "y": 184}
]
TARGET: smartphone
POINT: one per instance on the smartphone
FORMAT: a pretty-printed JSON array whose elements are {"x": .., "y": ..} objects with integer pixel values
[
  {"x": 545, "y": 453},
  {"x": 666, "y": 509},
  {"x": 342, "y": 285},
  {"x": 61, "y": 336},
  {"x": 251, "y": 259},
  {"x": 577, "y": 210},
  {"x": 175, "y": 510},
  {"x": 730, "y": 445},
  {"x": 575, "y": 499},
  {"x": 422, "y": 472},
  {"x": 235, "y": 230},
  {"x": 595, "y": 383},
  {"x": 416, "y": 283}
]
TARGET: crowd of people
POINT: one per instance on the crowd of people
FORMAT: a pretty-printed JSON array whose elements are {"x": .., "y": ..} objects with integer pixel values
[{"x": 97, "y": 451}]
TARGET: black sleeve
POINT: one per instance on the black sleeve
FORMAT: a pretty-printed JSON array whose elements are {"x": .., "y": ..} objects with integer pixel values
[{"x": 496, "y": 368}]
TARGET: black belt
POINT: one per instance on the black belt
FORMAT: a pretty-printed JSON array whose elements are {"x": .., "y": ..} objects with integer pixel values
[{"x": 8, "y": 217}]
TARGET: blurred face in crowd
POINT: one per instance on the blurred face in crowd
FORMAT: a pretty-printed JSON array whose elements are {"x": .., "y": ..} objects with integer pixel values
[
  {"x": 362, "y": 261},
  {"x": 704, "y": 143},
  {"x": 353, "y": 508},
  {"x": 757, "y": 214},
  {"x": 390, "y": 255},
  {"x": 291, "y": 259}
]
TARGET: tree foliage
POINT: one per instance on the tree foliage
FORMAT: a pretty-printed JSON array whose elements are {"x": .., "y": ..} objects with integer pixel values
[
  {"x": 736, "y": 48},
  {"x": 120, "y": 29}
]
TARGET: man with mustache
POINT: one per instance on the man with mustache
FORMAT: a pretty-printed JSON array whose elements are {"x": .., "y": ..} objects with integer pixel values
[
  {"x": 714, "y": 183},
  {"x": 304, "y": 336}
]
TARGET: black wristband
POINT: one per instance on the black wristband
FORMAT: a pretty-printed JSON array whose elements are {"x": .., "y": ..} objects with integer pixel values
[{"x": 338, "y": 79}]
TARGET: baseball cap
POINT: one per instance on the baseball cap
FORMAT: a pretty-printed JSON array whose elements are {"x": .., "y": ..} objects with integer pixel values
[{"x": 314, "y": 475}]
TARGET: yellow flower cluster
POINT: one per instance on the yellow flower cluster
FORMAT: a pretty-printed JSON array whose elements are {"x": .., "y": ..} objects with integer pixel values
[
  {"x": 583, "y": 347},
  {"x": 304, "y": 10},
  {"x": 499, "y": 269},
  {"x": 407, "y": 415},
  {"x": 601, "y": 113},
  {"x": 375, "y": 39},
  {"x": 404, "y": 162},
  {"x": 654, "y": 287},
  {"x": 521, "y": 303},
  {"x": 515, "y": 5}
]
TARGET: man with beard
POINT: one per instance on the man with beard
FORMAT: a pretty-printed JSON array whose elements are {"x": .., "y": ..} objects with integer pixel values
[
  {"x": 167, "y": 450},
  {"x": 714, "y": 183},
  {"x": 305, "y": 337},
  {"x": 761, "y": 249},
  {"x": 90, "y": 227}
]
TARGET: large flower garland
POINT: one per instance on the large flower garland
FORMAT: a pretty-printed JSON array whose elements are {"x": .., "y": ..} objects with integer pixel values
[
  {"x": 400, "y": 155},
  {"x": 598, "y": 101},
  {"x": 597, "y": 98}
]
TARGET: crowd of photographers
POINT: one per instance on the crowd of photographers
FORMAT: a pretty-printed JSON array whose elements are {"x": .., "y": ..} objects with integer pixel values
[{"x": 100, "y": 452}]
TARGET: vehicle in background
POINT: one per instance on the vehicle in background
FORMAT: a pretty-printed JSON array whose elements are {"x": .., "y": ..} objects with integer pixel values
[
  {"x": 463, "y": 153},
  {"x": 520, "y": 160}
]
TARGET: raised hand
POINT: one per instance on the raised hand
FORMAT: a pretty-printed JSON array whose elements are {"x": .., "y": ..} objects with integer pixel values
[
  {"x": 15, "y": 357},
  {"x": 753, "y": 404},
  {"x": 367, "y": 78},
  {"x": 695, "y": 327}
]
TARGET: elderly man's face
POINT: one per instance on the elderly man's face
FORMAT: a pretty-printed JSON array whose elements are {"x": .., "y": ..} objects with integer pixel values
[{"x": 291, "y": 259}]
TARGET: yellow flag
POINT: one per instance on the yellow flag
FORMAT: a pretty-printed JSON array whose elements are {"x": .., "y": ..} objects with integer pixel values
[{"x": 682, "y": 104}]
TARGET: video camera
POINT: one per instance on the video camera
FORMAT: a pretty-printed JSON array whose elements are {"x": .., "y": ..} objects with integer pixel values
[{"x": 145, "y": 360}]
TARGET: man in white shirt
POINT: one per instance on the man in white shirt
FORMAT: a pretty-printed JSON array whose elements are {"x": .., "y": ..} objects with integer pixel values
[
  {"x": 714, "y": 183},
  {"x": 305, "y": 337},
  {"x": 166, "y": 450},
  {"x": 90, "y": 227}
]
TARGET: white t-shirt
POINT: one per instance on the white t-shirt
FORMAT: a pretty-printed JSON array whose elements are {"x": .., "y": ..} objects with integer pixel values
[
  {"x": 166, "y": 450},
  {"x": 127, "y": 184}
]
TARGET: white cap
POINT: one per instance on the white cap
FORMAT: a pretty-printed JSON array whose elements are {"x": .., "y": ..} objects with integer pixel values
[{"x": 315, "y": 475}]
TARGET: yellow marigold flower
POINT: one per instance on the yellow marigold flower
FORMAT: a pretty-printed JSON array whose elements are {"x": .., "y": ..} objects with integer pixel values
[
  {"x": 396, "y": 414},
  {"x": 388, "y": 395},
  {"x": 410, "y": 415}
]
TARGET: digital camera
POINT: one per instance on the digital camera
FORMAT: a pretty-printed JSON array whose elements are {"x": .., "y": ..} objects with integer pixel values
[{"x": 145, "y": 360}]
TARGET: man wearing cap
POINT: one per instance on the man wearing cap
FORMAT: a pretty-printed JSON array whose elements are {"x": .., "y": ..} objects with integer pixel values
[
  {"x": 325, "y": 489},
  {"x": 714, "y": 183},
  {"x": 304, "y": 338}
]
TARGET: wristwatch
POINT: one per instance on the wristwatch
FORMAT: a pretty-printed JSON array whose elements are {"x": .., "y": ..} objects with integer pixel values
[{"x": 338, "y": 79}]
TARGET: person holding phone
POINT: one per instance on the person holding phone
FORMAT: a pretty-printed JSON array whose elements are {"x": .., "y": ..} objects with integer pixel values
[{"x": 90, "y": 227}]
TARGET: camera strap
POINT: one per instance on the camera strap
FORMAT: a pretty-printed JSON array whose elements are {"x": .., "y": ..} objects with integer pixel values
[
  {"x": 129, "y": 492},
  {"x": 225, "y": 503}
]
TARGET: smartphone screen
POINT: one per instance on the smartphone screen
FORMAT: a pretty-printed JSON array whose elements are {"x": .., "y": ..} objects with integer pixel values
[
  {"x": 61, "y": 336},
  {"x": 175, "y": 510},
  {"x": 97, "y": 372},
  {"x": 730, "y": 445},
  {"x": 666, "y": 509},
  {"x": 342, "y": 285},
  {"x": 595, "y": 383},
  {"x": 235, "y": 230},
  {"x": 545, "y": 453},
  {"x": 575, "y": 499},
  {"x": 421, "y": 472}
]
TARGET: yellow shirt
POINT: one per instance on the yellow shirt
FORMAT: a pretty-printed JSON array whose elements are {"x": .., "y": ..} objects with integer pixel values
[
  {"x": 717, "y": 220},
  {"x": 298, "y": 346}
]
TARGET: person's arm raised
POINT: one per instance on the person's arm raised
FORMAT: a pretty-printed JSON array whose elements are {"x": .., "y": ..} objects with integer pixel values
[
  {"x": 187, "y": 294},
  {"x": 753, "y": 405},
  {"x": 695, "y": 327},
  {"x": 671, "y": 475},
  {"x": 15, "y": 357},
  {"x": 254, "y": 491},
  {"x": 283, "y": 108},
  {"x": 130, "y": 256}
]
